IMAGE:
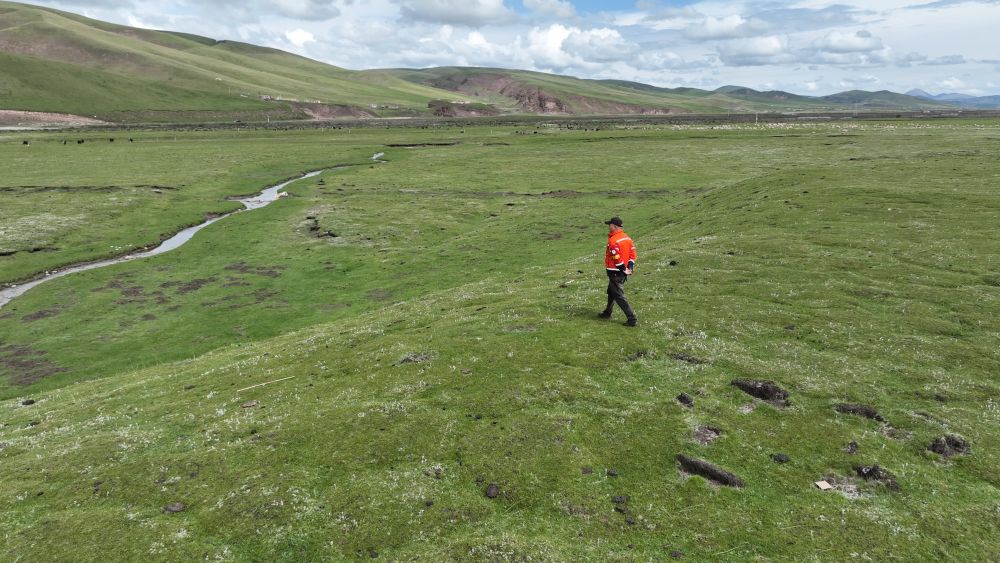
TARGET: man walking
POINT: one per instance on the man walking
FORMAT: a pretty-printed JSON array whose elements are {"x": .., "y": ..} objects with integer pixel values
[{"x": 619, "y": 261}]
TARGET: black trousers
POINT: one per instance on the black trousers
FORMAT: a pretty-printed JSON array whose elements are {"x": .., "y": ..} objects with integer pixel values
[{"x": 616, "y": 294}]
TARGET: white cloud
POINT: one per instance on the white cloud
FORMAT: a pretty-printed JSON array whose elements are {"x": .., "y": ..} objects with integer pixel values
[
  {"x": 299, "y": 37},
  {"x": 728, "y": 27},
  {"x": 840, "y": 42},
  {"x": 599, "y": 45},
  {"x": 473, "y": 13},
  {"x": 557, "y": 8},
  {"x": 865, "y": 81},
  {"x": 951, "y": 84},
  {"x": 755, "y": 51}
]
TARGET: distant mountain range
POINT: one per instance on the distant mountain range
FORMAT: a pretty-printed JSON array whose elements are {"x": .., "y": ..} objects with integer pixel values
[
  {"x": 962, "y": 100},
  {"x": 55, "y": 61}
]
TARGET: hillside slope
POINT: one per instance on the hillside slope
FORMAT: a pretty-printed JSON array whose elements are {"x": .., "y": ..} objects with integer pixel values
[
  {"x": 57, "y": 61},
  {"x": 535, "y": 92}
]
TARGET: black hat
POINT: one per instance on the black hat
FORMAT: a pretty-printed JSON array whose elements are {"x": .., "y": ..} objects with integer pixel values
[{"x": 614, "y": 221}]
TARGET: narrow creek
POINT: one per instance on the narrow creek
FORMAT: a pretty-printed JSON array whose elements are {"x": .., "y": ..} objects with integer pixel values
[{"x": 262, "y": 199}]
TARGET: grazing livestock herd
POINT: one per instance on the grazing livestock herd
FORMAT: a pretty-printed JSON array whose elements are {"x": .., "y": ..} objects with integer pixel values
[{"x": 81, "y": 141}]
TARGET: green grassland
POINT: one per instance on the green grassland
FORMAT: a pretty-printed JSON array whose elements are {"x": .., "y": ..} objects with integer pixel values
[{"x": 436, "y": 316}]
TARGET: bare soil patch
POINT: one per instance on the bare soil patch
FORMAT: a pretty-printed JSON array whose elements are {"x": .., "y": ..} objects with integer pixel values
[
  {"x": 705, "y": 435},
  {"x": 16, "y": 118},
  {"x": 687, "y": 358},
  {"x": 25, "y": 365},
  {"x": 765, "y": 390},
  {"x": 379, "y": 295},
  {"x": 266, "y": 271},
  {"x": 878, "y": 474},
  {"x": 419, "y": 145},
  {"x": 859, "y": 410},
  {"x": 949, "y": 445},
  {"x": 709, "y": 471},
  {"x": 188, "y": 286},
  {"x": 38, "y": 315}
]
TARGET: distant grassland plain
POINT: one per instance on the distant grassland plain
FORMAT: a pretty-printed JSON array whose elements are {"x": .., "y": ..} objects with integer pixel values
[{"x": 452, "y": 394}]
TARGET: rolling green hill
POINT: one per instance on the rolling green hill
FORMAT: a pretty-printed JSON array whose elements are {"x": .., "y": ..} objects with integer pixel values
[
  {"x": 57, "y": 61},
  {"x": 536, "y": 92},
  {"x": 882, "y": 99}
]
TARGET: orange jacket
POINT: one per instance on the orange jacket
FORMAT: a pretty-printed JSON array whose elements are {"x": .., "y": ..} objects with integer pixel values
[{"x": 620, "y": 251}]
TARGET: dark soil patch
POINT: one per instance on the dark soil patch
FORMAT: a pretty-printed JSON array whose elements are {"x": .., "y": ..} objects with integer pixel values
[
  {"x": 188, "y": 286},
  {"x": 851, "y": 448},
  {"x": 709, "y": 471},
  {"x": 705, "y": 435},
  {"x": 561, "y": 193},
  {"x": 859, "y": 410},
  {"x": 233, "y": 281},
  {"x": 685, "y": 400},
  {"x": 149, "y": 317},
  {"x": 780, "y": 458},
  {"x": 635, "y": 356},
  {"x": 687, "y": 358},
  {"x": 39, "y": 315},
  {"x": 133, "y": 294},
  {"x": 413, "y": 358},
  {"x": 876, "y": 473},
  {"x": 552, "y": 236},
  {"x": 949, "y": 445},
  {"x": 24, "y": 365},
  {"x": 492, "y": 491},
  {"x": 174, "y": 507},
  {"x": 379, "y": 295},
  {"x": 418, "y": 145},
  {"x": 266, "y": 271},
  {"x": 763, "y": 389}
]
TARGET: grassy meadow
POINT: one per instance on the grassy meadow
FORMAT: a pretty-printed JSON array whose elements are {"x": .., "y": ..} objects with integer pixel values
[{"x": 438, "y": 383}]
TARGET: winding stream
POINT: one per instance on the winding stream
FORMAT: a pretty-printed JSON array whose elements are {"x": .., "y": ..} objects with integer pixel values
[{"x": 262, "y": 199}]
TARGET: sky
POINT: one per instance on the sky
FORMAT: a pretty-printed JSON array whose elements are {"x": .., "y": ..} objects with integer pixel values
[{"x": 811, "y": 47}]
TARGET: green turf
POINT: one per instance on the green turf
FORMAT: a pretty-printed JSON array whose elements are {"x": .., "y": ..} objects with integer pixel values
[{"x": 446, "y": 339}]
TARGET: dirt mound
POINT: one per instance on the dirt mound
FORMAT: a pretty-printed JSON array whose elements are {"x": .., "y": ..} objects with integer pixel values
[
  {"x": 859, "y": 410},
  {"x": 714, "y": 473},
  {"x": 876, "y": 473},
  {"x": 685, "y": 400},
  {"x": 765, "y": 390},
  {"x": 687, "y": 358},
  {"x": 949, "y": 445},
  {"x": 705, "y": 435}
]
